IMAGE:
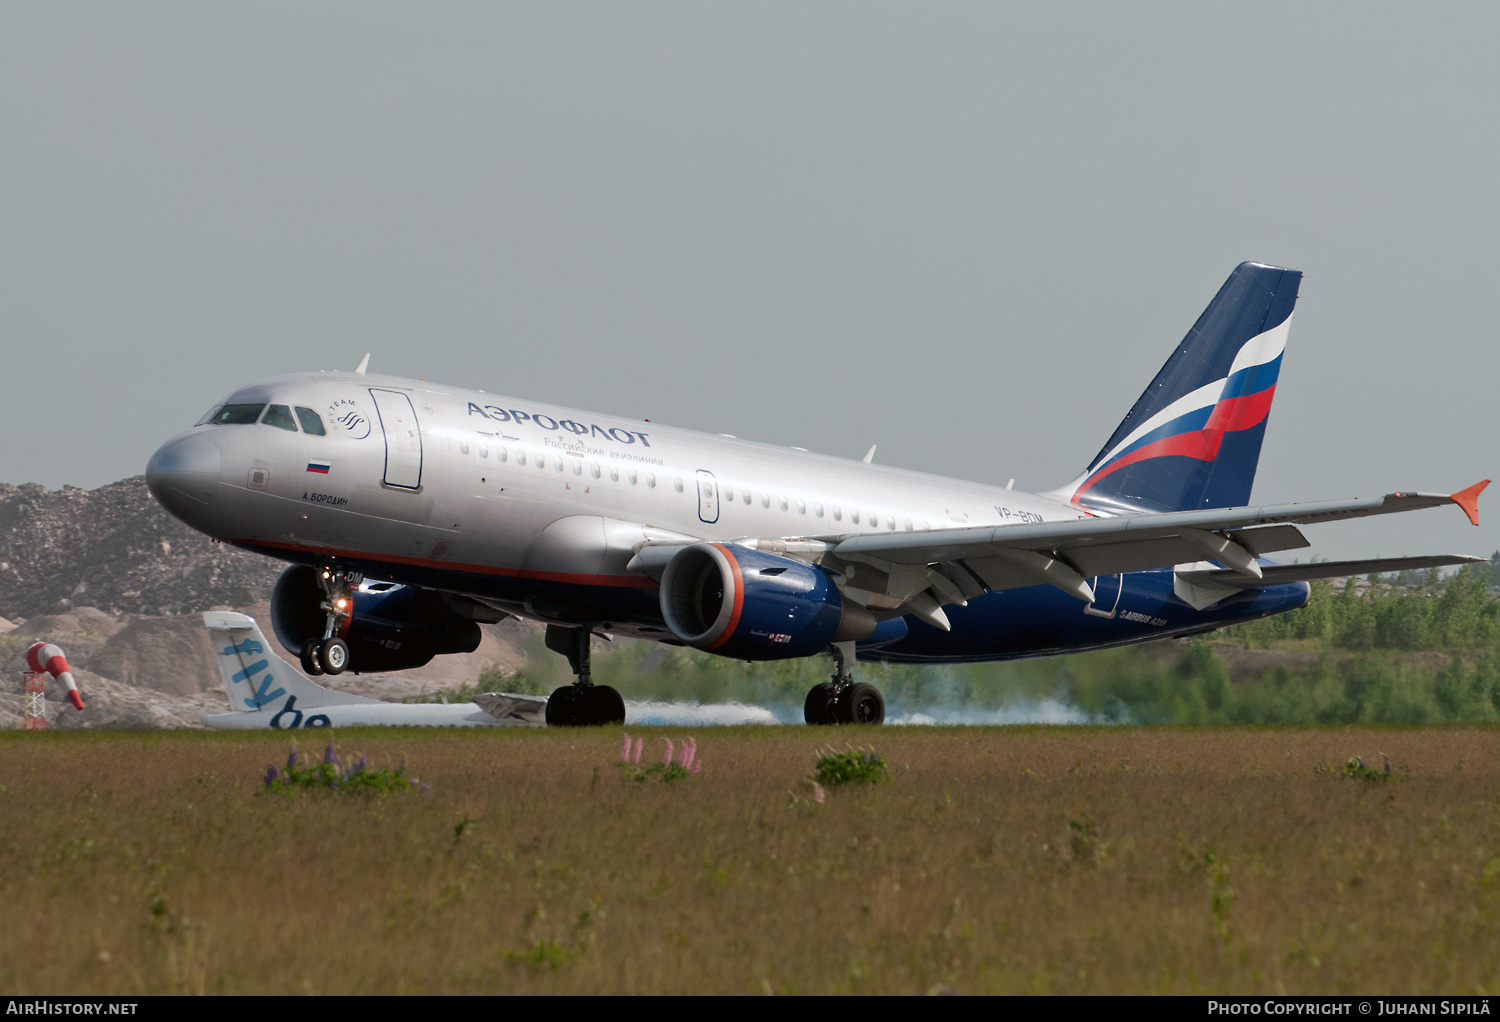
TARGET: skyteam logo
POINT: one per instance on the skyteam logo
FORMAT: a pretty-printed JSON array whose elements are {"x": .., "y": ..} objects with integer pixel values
[{"x": 347, "y": 416}]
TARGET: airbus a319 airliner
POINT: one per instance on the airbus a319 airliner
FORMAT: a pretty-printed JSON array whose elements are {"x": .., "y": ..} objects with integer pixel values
[{"x": 411, "y": 512}]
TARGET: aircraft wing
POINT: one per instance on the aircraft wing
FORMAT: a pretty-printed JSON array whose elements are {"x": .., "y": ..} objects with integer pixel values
[
  {"x": 922, "y": 571},
  {"x": 919, "y": 573}
]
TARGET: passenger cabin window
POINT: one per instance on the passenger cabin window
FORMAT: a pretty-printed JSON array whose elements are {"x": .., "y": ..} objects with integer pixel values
[
  {"x": 630, "y": 475},
  {"x": 500, "y": 454},
  {"x": 463, "y": 448},
  {"x": 520, "y": 457},
  {"x": 818, "y": 510},
  {"x": 236, "y": 415},
  {"x": 312, "y": 423},
  {"x": 838, "y": 514},
  {"x": 747, "y": 498},
  {"x": 577, "y": 468},
  {"x": 801, "y": 506},
  {"x": 651, "y": 479},
  {"x": 854, "y": 516},
  {"x": 677, "y": 484},
  {"x": 279, "y": 416},
  {"x": 782, "y": 502}
]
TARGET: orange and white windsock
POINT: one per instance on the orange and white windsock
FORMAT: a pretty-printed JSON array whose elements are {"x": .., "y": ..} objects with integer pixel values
[{"x": 44, "y": 656}]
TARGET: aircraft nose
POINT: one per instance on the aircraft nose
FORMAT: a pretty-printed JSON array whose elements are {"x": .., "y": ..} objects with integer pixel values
[{"x": 184, "y": 473}]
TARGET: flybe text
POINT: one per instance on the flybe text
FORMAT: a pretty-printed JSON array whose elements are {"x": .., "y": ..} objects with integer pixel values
[{"x": 613, "y": 433}]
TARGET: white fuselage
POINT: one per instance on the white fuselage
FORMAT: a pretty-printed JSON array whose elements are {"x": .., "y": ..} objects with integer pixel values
[{"x": 510, "y": 485}]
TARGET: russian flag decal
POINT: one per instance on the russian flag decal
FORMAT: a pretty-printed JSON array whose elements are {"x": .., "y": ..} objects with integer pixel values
[{"x": 321, "y": 467}]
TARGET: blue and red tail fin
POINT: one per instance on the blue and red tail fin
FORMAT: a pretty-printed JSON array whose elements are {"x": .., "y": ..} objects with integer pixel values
[{"x": 1193, "y": 438}]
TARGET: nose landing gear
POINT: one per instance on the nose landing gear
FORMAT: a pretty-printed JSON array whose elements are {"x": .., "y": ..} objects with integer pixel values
[
  {"x": 581, "y": 704},
  {"x": 330, "y": 654},
  {"x": 842, "y": 700}
]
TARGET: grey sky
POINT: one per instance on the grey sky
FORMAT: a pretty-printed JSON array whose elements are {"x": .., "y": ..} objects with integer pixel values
[{"x": 969, "y": 233}]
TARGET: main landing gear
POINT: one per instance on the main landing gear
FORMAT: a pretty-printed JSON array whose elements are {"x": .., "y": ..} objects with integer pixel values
[
  {"x": 581, "y": 704},
  {"x": 842, "y": 700},
  {"x": 330, "y": 654}
]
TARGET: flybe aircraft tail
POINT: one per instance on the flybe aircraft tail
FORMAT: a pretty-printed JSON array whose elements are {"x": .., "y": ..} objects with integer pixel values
[
  {"x": 1193, "y": 438},
  {"x": 255, "y": 677}
]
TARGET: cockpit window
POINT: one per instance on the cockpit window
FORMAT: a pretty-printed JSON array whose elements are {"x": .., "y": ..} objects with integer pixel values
[
  {"x": 208, "y": 415},
  {"x": 279, "y": 416},
  {"x": 235, "y": 415},
  {"x": 311, "y": 422}
]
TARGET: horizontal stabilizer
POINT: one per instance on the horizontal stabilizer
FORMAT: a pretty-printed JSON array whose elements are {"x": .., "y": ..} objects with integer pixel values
[{"x": 1282, "y": 574}]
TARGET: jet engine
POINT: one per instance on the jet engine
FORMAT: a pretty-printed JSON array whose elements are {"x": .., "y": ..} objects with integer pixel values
[
  {"x": 391, "y": 627},
  {"x": 750, "y": 605}
]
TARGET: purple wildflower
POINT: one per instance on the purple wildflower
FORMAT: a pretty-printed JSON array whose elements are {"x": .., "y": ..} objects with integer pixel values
[
  {"x": 270, "y": 775},
  {"x": 291, "y": 758},
  {"x": 689, "y": 750},
  {"x": 818, "y": 794},
  {"x": 635, "y": 754},
  {"x": 625, "y": 750},
  {"x": 329, "y": 756},
  {"x": 1387, "y": 765},
  {"x": 666, "y": 760},
  {"x": 362, "y": 765}
]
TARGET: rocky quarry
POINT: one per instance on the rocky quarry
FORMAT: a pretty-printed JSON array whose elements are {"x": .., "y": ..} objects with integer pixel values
[{"x": 120, "y": 585}]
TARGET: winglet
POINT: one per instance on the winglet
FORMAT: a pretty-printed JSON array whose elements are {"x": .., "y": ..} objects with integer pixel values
[
  {"x": 364, "y": 364},
  {"x": 1469, "y": 500},
  {"x": 869, "y": 455}
]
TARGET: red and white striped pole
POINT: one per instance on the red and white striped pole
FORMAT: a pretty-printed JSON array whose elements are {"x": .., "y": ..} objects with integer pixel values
[{"x": 36, "y": 701}]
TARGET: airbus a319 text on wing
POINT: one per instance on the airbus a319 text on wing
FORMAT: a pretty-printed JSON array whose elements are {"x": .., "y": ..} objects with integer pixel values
[{"x": 410, "y": 513}]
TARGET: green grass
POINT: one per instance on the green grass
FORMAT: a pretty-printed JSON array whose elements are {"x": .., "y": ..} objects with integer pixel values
[{"x": 1089, "y": 860}]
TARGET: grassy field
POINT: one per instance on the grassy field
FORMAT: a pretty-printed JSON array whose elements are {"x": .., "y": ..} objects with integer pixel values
[{"x": 995, "y": 860}]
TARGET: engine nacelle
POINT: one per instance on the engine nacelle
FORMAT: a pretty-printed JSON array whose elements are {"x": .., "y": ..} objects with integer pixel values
[
  {"x": 392, "y": 628},
  {"x": 749, "y": 605}
]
